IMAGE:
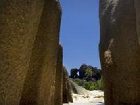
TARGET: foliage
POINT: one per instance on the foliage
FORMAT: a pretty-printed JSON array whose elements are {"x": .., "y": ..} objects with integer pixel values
[
  {"x": 79, "y": 82},
  {"x": 100, "y": 84},
  {"x": 74, "y": 72},
  {"x": 86, "y": 72},
  {"x": 89, "y": 85},
  {"x": 88, "y": 77}
]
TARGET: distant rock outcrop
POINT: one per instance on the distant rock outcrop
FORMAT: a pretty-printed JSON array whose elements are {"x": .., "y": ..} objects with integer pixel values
[{"x": 120, "y": 51}]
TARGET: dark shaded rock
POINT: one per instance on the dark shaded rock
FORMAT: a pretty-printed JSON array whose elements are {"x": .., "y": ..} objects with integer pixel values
[
  {"x": 120, "y": 51},
  {"x": 137, "y": 7},
  {"x": 67, "y": 90},
  {"x": 59, "y": 78}
]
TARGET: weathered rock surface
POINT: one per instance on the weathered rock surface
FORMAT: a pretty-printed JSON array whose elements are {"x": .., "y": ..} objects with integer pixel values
[
  {"x": 39, "y": 86},
  {"x": 59, "y": 78},
  {"x": 50, "y": 26},
  {"x": 67, "y": 90},
  {"x": 29, "y": 57},
  {"x": 120, "y": 51},
  {"x": 19, "y": 21}
]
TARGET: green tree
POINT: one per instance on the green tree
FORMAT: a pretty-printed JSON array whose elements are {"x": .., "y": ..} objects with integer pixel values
[{"x": 88, "y": 72}]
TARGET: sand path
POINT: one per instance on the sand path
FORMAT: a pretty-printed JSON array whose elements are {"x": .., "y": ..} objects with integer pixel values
[{"x": 95, "y": 97}]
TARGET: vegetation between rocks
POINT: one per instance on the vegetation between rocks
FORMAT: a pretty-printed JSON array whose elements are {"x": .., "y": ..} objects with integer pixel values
[{"x": 88, "y": 77}]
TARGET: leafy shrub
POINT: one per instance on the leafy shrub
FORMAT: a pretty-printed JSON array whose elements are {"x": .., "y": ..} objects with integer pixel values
[
  {"x": 79, "y": 82},
  {"x": 100, "y": 84},
  {"x": 90, "y": 85}
]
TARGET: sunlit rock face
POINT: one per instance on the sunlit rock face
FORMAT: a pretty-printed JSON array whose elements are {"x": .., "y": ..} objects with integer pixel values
[
  {"x": 120, "y": 51},
  {"x": 29, "y": 41},
  {"x": 39, "y": 87},
  {"x": 19, "y": 20}
]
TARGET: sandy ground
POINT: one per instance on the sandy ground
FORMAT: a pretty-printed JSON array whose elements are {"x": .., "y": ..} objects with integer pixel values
[{"x": 95, "y": 97}]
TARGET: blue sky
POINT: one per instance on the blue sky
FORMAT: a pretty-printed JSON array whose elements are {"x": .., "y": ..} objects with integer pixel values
[{"x": 80, "y": 32}]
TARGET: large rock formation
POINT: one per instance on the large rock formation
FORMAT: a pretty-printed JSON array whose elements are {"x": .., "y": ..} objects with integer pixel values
[
  {"x": 120, "y": 51},
  {"x": 19, "y": 21},
  {"x": 39, "y": 86},
  {"x": 59, "y": 78},
  {"x": 29, "y": 41},
  {"x": 67, "y": 89}
]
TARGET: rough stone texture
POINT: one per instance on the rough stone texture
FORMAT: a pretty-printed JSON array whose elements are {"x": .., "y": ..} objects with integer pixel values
[
  {"x": 137, "y": 7},
  {"x": 19, "y": 21},
  {"x": 51, "y": 24},
  {"x": 76, "y": 89},
  {"x": 39, "y": 86},
  {"x": 67, "y": 90},
  {"x": 59, "y": 78},
  {"x": 120, "y": 51}
]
